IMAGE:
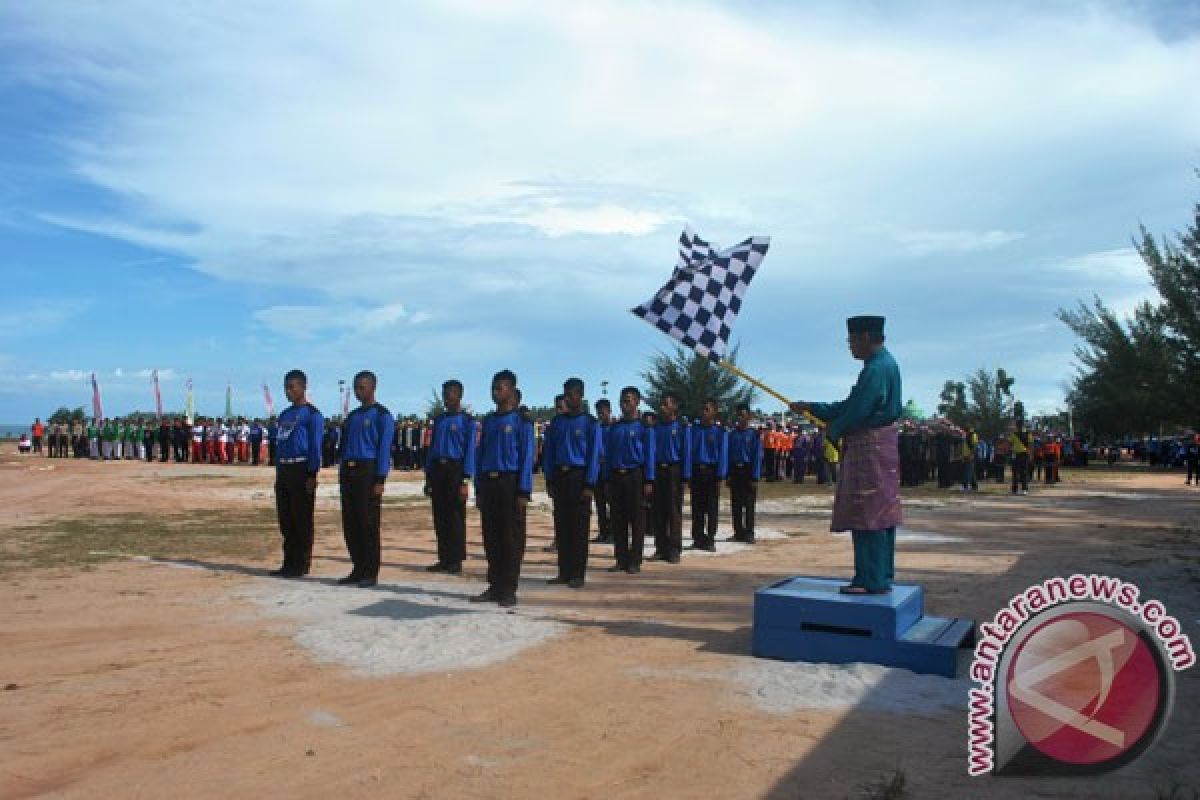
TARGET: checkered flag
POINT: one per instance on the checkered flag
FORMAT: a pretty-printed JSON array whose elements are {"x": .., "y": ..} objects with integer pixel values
[{"x": 700, "y": 303}]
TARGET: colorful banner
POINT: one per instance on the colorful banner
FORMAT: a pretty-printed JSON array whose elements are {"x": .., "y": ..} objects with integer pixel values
[
  {"x": 267, "y": 399},
  {"x": 229, "y": 401},
  {"x": 190, "y": 403},
  {"x": 157, "y": 393},
  {"x": 97, "y": 407}
]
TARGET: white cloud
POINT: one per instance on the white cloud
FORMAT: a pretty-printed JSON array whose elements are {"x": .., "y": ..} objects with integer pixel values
[
  {"x": 1122, "y": 264},
  {"x": 69, "y": 375},
  {"x": 923, "y": 243},
  {"x": 603, "y": 107},
  {"x": 306, "y": 321}
]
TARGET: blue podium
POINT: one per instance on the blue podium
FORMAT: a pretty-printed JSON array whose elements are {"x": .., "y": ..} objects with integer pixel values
[{"x": 808, "y": 619}]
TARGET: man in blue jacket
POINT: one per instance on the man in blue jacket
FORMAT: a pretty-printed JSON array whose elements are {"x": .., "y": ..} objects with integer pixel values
[
  {"x": 449, "y": 468},
  {"x": 365, "y": 459},
  {"x": 745, "y": 470},
  {"x": 571, "y": 461},
  {"x": 503, "y": 484},
  {"x": 298, "y": 462}
]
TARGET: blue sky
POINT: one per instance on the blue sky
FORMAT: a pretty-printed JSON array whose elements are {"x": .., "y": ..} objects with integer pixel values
[{"x": 227, "y": 190}]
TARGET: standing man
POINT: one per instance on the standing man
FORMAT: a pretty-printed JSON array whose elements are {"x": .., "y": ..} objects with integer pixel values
[
  {"x": 629, "y": 471},
  {"x": 672, "y": 453},
  {"x": 256, "y": 439},
  {"x": 867, "y": 500},
  {"x": 503, "y": 484},
  {"x": 366, "y": 458},
  {"x": 300, "y": 429},
  {"x": 571, "y": 461},
  {"x": 745, "y": 470},
  {"x": 448, "y": 472},
  {"x": 600, "y": 496},
  {"x": 710, "y": 466},
  {"x": 1022, "y": 445},
  {"x": 38, "y": 429}
]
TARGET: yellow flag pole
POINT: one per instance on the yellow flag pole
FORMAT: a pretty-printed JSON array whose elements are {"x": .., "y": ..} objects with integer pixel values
[
  {"x": 756, "y": 382},
  {"x": 831, "y": 451}
]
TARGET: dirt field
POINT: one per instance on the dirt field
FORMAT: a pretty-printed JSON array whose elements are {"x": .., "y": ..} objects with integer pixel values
[{"x": 145, "y": 653}]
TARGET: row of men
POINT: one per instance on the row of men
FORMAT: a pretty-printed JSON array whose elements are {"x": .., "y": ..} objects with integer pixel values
[
  {"x": 637, "y": 471},
  {"x": 960, "y": 458}
]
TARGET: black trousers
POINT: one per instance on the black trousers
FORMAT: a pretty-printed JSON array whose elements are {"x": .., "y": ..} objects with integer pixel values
[
  {"x": 706, "y": 496},
  {"x": 771, "y": 465},
  {"x": 743, "y": 494},
  {"x": 294, "y": 507},
  {"x": 255, "y": 449},
  {"x": 360, "y": 518},
  {"x": 571, "y": 523},
  {"x": 1193, "y": 470},
  {"x": 1020, "y": 471},
  {"x": 600, "y": 496},
  {"x": 148, "y": 443},
  {"x": 627, "y": 522},
  {"x": 667, "y": 512},
  {"x": 449, "y": 510},
  {"x": 503, "y": 530}
]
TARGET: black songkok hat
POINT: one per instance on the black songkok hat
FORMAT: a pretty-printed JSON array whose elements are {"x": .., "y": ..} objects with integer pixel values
[{"x": 865, "y": 325}]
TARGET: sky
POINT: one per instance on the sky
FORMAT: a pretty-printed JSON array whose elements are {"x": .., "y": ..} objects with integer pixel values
[{"x": 223, "y": 191}]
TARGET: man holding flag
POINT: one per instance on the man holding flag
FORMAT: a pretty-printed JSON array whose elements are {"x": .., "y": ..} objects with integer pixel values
[{"x": 867, "y": 502}]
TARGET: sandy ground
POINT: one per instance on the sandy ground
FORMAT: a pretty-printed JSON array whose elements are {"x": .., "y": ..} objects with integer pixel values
[{"x": 205, "y": 678}]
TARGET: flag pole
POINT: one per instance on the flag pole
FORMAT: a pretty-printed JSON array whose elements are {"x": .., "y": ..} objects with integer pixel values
[{"x": 756, "y": 382}]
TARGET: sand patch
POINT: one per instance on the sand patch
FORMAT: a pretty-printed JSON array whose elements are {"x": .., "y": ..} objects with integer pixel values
[{"x": 396, "y": 628}]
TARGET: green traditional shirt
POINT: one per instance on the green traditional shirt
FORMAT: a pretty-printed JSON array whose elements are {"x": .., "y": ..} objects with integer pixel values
[{"x": 873, "y": 402}]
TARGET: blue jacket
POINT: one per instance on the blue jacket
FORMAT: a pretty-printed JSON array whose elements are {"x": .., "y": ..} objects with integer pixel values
[
  {"x": 574, "y": 440},
  {"x": 629, "y": 444},
  {"x": 672, "y": 445},
  {"x": 298, "y": 435},
  {"x": 709, "y": 445},
  {"x": 746, "y": 447},
  {"x": 453, "y": 437},
  {"x": 506, "y": 444},
  {"x": 367, "y": 435}
]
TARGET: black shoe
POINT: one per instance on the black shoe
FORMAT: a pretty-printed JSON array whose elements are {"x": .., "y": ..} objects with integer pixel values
[
  {"x": 367, "y": 583},
  {"x": 602, "y": 540},
  {"x": 549, "y": 549},
  {"x": 438, "y": 567},
  {"x": 633, "y": 569},
  {"x": 748, "y": 540},
  {"x": 708, "y": 548},
  {"x": 282, "y": 572},
  {"x": 575, "y": 583},
  {"x": 349, "y": 580},
  {"x": 452, "y": 569},
  {"x": 557, "y": 580},
  {"x": 486, "y": 596},
  {"x": 658, "y": 557},
  {"x": 617, "y": 568},
  {"x": 673, "y": 558},
  {"x": 507, "y": 601}
]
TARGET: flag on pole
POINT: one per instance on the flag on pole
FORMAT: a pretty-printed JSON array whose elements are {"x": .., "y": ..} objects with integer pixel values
[
  {"x": 228, "y": 401},
  {"x": 157, "y": 393},
  {"x": 345, "y": 404},
  {"x": 700, "y": 303},
  {"x": 190, "y": 404},
  {"x": 97, "y": 407},
  {"x": 267, "y": 399}
]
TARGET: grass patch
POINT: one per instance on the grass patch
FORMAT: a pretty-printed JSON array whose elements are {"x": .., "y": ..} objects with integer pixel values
[{"x": 83, "y": 541}]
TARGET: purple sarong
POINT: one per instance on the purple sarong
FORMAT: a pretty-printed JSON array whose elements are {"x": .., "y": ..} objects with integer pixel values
[{"x": 868, "y": 489}]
